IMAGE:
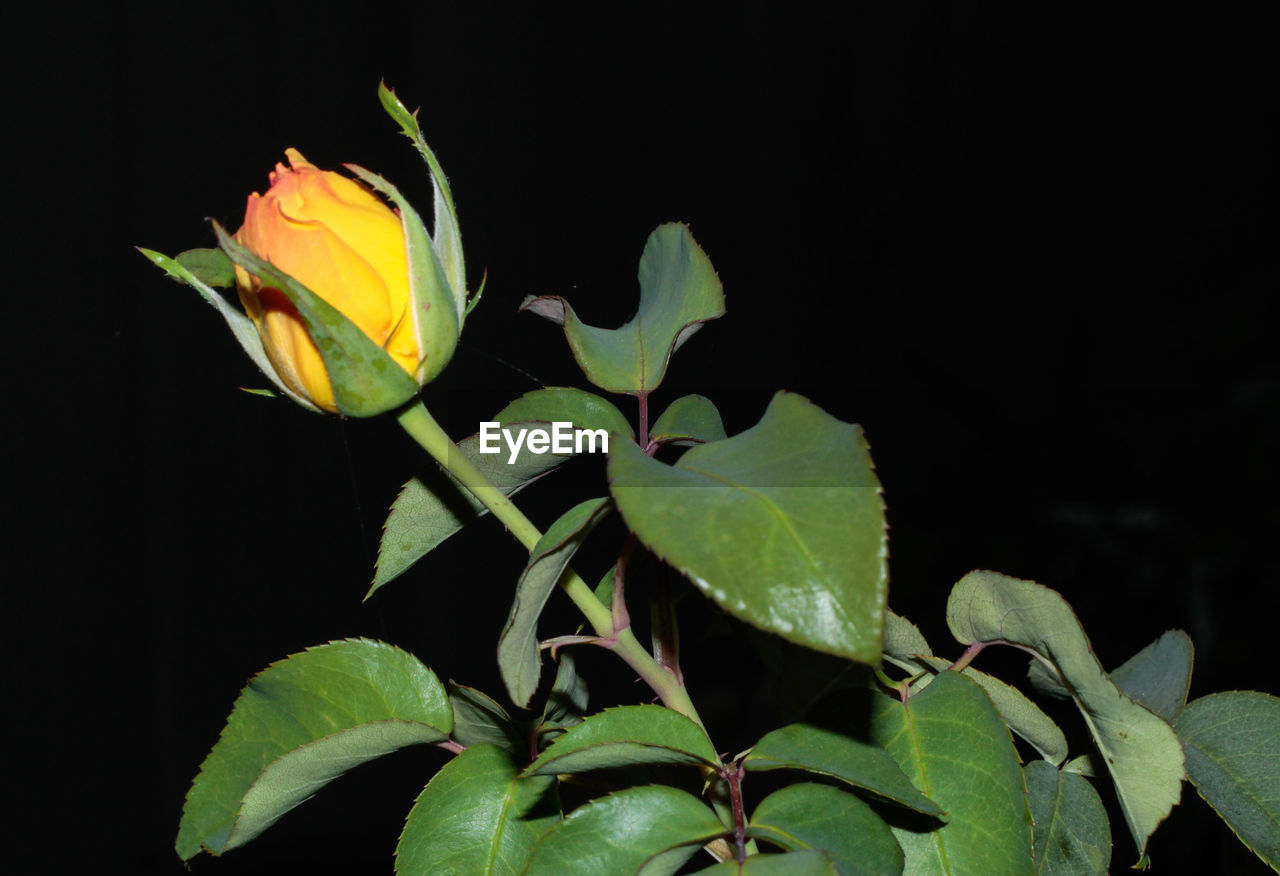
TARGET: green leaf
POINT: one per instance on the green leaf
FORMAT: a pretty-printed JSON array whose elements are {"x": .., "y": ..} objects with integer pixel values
[
  {"x": 679, "y": 290},
  {"x": 436, "y": 311},
  {"x": 519, "y": 657},
  {"x": 434, "y": 505},
  {"x": 827, "y": 753},
  {"x": 299, "y": 724},
  {"x": 810, "y": 816},
  {"x": 476, "y": 817},
  {"x": 620, "y": 833},
  {"x": 903, "y": 641},
  {"x": 366, "y": 380},
  {"x": 1159, "y": 675},
  {"x": 210, "y": 266},
  {"x": 242, "y": 327},
  {"x": 1139, "y": 748},
  {"x": 567, "y": 701},
  {"x": 585, "y": 410},
  {"x": 627, "y": 736},
  {"x": 1022, "y": 715},
  {"x": 604, "y": 589},
  {"x": 783, "y": 525},
  {"x": 950, "y": 741},
  {"x": 691, "y": 419},
  {"x": 1232, "y": 740},
  {"x": 906, "y": 647},
  {"x": 1082, "y": 765},
  {"x": 803, "y": 863},
  {"x": 478, "y": 719},
  {"x": 1072, "y": 834}
]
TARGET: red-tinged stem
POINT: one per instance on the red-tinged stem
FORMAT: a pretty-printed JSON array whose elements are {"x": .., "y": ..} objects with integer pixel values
[
  {"x": 666, "y": 633},
  {"x": 734, "y": 776},
  {"x": 618, "y": 605}
]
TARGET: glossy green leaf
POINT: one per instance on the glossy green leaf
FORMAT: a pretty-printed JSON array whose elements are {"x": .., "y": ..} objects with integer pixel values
[
  {"x": 783, "y": 525},
  {"x": 1071, "y": 830},
  {"x": 827, "y": 753},
  {"x": 627, "y": 736},
  {"x": 690, "y": 419},
  {"x": 519, "y": 657},
  {"x": 802, "y": 863},
  {"x": 811, "y": 816},
  {"x": 1232, "y": 741},
  {"x": 1139, "y": 748},
  {"x": 567, "y": 700},
  {"x": 210, "y": 266},
  {"x": 1022, "y": 715},
  {"x": 585, "y": 410},
  {"x": 679, "y": 290},
  {"x": 433, "y": 506},
  {"x": 950, "y": 741},
  {"x": 477, "y": 817},
  {"x": 478, "y": 719},
  {"x": 1159, "y": 675},
  {"x": 620, "y": 833},
  {"x": 242, "y": 327},
  {"x": 366, "y": 380},
  {"x": 300, "y": 723},
  {"x": 436, "y": 312}
]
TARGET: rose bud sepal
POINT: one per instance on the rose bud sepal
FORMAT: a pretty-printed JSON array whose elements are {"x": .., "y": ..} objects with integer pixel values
[
  {"x": 366, "y": 380},
  {"x": 435, "y": 307},
  {"x": 242, "y": 327}
]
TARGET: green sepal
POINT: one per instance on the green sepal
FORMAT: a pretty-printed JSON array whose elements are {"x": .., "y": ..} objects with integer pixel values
[
  {"x": 242, "y": 327},
  {"x": 436, "y": 320},
  {"x": 448, "y": 237},
  {"x": 210, "y": 265},
  {"x": 366, "y": 380}
]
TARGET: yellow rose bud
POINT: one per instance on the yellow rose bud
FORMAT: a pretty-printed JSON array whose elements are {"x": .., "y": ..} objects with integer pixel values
[{"x": 343, "y": 243}]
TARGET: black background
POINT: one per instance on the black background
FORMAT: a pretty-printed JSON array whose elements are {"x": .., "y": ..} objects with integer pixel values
[{"x": 1032, "y": 251}]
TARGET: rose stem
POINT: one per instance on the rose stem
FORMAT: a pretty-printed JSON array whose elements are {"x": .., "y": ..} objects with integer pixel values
[{"x": 423, "y": 428}]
